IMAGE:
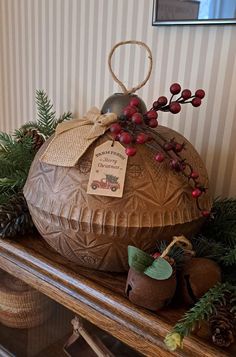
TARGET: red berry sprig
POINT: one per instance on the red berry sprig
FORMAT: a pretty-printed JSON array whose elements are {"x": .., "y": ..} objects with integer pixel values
[
  {"x": 174, "y": 105},
  {"x": 130, "y": 129},
  {"x": 134, "y": 128}
]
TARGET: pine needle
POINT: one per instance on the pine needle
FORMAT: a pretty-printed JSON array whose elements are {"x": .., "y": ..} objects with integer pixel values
[
  {"x": 17, "y": 152},
  {"x": 229, "y": 257},
  {"x": 203, "y": 308}
]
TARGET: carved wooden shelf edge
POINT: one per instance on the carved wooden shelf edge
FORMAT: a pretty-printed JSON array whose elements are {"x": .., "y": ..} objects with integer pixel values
[{"x": 96, "y": 296}]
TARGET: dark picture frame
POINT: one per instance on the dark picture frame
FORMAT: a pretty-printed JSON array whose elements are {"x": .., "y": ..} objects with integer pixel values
[{"x": 158, "y": 19}]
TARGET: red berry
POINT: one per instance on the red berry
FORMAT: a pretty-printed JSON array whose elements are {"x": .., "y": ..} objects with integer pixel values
[
  {"x": 168, "y": 146},
  {"x": 156, "y": 105},
  {"x": 149, "y": 138},
  {"x": 176, "y": 165},
  {"x": 196, "y": 102},
  {"x": 156, "y": 255},
  {"x": 194, "y": 175},
  {"x": 159, "y": 157},
  {"x": 134, "y": 102},
  {"x": 130, "y": 151},
  {"x": 129, "y": 111},
  {"x": 205, "y": 213},
  {"x": 137, "y": 118},
  {"x": 152, "y": 114},
  {"x": 196, "y": 193},
  {"x": 200, "y": 93},
  {"x": 186, "y": 94},
  {"x": 125, "y": 138},
  {"x": 178, "y": 147},
  {"x": 115, "y": 128},
  {"x": 142, "y": 138},
  {"x": 175, "y": 107},
  {"x": 153, "y": 123},
  {"x": 175, "y": 88},
  {"x": 162, "y": 101}
]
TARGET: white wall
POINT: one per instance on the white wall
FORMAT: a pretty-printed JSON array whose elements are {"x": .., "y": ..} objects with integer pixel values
[{"x": 61, "y": 46}]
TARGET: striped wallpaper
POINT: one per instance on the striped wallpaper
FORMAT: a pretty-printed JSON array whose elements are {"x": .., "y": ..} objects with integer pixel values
[{"x": 61, "y": 46}]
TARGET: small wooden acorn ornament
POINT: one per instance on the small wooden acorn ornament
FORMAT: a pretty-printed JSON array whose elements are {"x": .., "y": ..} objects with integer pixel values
[
  {"x": 197, "y": 277},
  {"x": 151, "y": 283}
]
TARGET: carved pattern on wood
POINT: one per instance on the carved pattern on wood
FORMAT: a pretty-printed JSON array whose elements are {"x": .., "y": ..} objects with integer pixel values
[{"x": 95, "y": 230}]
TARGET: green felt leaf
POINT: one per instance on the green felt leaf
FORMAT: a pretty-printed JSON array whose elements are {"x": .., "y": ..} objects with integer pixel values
[
  {"x": 138, "y": 260},
  {"x": 159, "y": 270}
]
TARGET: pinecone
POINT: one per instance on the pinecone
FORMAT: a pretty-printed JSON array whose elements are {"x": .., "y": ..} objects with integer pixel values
[
  {"x": 15, "y": 218},
  {"x": 223, "y": 324},
  {"x": 37, "y": 137}
]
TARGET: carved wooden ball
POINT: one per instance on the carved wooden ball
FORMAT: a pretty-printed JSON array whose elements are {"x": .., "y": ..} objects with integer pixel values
[{"x": 95, "y": 231}]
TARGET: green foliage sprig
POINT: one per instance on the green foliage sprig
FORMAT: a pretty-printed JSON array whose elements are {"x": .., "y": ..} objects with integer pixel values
[
  {"x": 202, "y": 310},
  {"x": 46, "y": 118},
  {"x": 15, "y": 160},
  {"x": 15, "y": 217},
  {"x": 17, "y": 152},
  {"x": 229, "y": 258},
  {"x": 217, "y": 241},
  {"x": 222, "y": 226},
  {"x": 47, "y": 121}
]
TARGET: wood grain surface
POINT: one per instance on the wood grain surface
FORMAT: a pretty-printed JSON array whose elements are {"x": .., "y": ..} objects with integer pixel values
[{"x": 99, "y": 298}]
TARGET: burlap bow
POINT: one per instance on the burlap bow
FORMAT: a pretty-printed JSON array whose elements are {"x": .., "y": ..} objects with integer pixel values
[{"x": 73, "y": 138}]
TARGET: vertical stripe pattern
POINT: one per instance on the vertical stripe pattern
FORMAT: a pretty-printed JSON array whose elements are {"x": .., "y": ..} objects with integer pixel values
[{"x": 62, "y": 46}]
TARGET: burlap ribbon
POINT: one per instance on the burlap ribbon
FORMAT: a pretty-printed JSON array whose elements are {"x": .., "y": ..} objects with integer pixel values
[{"x": 73, "y": 138}]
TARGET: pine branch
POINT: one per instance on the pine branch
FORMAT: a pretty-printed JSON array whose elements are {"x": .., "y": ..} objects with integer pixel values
[
  {"x": 6, "y": 195},
  {"x": 202, "y": 310},
  {"x": 176, "y": 252},
  {"x": 15, "y": 218},
  {"x": 16, "y": 155},
  {"x": 222, "y": 228},
  {"x": 207, "y": 248},
  {"x": 5, "y": 141},
  {"x": 19, "y": 134},
  {"x": 6, "y": 167},
  {"x": 29, "y": 125},
  {"x": 47, "y": 121},
  {"x": 46, "y": 114},
  {"x": 12, "y": 183},
  {"x": 64, "y": 116},
  {"x": 15, "y": 160},
  {"x": 229, "y": 257}
]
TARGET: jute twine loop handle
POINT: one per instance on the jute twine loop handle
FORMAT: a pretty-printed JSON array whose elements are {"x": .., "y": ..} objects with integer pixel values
[
  {"x": 134, "y": 89},
  {"x": 177, "y": 240}
]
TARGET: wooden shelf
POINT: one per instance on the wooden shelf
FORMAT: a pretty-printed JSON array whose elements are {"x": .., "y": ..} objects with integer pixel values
[{"x": 99, "y": 298}]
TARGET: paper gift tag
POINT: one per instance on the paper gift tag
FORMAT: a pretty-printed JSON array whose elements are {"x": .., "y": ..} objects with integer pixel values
[{"x": 108, "y": 170}]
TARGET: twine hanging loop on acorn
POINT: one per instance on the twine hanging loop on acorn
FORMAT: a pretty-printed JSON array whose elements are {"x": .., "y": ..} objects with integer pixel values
[
  {"x": 181, "y": 241},
  {"x": 140, "y": 85}
]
